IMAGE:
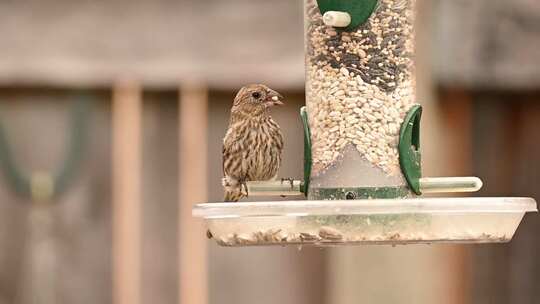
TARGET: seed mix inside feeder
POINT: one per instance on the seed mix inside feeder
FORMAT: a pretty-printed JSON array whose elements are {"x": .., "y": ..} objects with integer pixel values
[{"x": 362, "y": 162}]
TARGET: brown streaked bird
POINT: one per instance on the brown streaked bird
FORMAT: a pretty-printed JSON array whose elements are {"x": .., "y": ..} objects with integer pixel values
[{"x": 253, "y": 143}]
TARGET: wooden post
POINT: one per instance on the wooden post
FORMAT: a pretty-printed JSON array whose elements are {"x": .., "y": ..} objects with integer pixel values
[
  {"x": 192, "y": 244},
  {"x": 457, "y": 106},
  {"x": 126, "y": 179}
]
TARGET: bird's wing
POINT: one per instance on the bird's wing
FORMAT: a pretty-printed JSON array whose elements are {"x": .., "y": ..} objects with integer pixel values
[{"x": 232, "y": 155}]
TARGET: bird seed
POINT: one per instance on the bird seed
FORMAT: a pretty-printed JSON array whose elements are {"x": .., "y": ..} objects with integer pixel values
[{"x": 360, "y": 84}]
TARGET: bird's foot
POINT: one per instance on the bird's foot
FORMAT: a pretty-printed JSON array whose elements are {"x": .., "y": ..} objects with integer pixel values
[
  {"x": 243, "y": 188},
  {"x": 289, "y": 180}
]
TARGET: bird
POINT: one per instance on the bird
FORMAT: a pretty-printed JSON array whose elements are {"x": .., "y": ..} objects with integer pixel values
[{"x": 253, "y": 143}]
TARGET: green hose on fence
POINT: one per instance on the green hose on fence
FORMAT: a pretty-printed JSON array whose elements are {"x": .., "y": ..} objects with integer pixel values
[{"x": 44, "y": 186}]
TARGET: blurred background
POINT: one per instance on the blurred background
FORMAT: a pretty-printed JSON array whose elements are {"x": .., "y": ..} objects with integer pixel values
[{"x": 111, "y": 120}]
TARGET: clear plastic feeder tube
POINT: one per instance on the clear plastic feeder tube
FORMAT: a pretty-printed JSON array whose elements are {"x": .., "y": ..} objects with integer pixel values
[{"x": 360, "y": 84}]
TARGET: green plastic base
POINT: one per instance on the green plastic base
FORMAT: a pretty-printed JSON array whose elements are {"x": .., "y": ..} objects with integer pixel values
[{"x": 358, "y": 193}]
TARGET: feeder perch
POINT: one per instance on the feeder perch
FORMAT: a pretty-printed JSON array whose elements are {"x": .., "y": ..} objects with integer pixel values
[
  {"x": 362, "y": 162},
  {"x": 337, "y": 19}
]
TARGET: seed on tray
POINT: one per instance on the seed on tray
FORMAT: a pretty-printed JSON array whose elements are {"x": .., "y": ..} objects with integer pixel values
[
  {"x": 330, "y": 233},
  {"x": 293, "y": 238},
  {"x": 272, "y": 235},
  {"x": 309, "y": 237}
]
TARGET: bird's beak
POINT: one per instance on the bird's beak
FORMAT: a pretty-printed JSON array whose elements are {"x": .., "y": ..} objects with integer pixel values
[{"x": 274, "y": 98}]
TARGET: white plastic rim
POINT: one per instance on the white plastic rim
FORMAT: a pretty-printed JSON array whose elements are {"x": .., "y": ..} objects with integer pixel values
[{"x": 463, "y": 205}]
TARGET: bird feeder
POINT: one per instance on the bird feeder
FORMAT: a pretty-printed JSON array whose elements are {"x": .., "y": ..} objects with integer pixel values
[{"x": 362, "y": 160}]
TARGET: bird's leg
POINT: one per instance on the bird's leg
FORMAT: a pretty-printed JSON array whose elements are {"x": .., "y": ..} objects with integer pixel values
[
  {"x": 291, "y": 182},
  {"x": 289, "y": 179}
]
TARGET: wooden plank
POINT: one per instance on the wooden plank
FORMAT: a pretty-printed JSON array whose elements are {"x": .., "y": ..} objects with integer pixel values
[
  {"x": 192, "y": 243},
  {"x": 229, "y": 43},
  {"x": 126, "y": 172},
  {"x": 490, "y": 55},
  {"x": 509, "y": 160},
  {"x": 492, "y": 150},
  {"x": 456, "y": 106},
  {"x": 525, "y": 265}
]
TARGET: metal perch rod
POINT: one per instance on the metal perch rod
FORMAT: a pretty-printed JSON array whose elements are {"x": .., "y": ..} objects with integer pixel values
[
  {"x": 450, "y": 184},
  {"x": 274, "y": 188},
  {"x": 427, "y": 185}
]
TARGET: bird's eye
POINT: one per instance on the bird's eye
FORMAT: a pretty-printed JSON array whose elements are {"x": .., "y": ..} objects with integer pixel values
[{"x": 256, "y": 95}]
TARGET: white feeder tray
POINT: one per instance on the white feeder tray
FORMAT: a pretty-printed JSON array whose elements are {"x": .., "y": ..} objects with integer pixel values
[{"x": 375, "y": 221}]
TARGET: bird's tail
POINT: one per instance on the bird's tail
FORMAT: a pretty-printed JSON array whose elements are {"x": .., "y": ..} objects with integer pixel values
[{"x": 233, "y": 190}]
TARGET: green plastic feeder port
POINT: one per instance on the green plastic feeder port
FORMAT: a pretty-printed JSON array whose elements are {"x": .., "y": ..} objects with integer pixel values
[{"x": 409, "y": 148}]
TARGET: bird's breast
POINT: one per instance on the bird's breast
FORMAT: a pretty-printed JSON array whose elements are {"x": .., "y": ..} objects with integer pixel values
[{"x": 262, "y": 153}]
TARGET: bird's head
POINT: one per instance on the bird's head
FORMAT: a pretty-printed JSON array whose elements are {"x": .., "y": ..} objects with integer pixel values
[{"x": 256, "y": 98}]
